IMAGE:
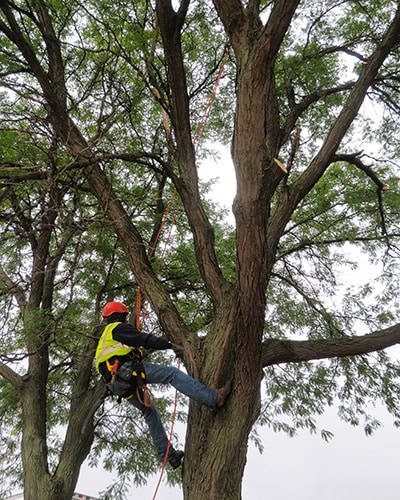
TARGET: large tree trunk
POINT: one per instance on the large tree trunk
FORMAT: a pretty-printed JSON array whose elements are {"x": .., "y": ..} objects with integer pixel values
[
  {"x": 34, "y": 452},
  {"x": 216, "y": 448},
  {"x": 216, "y": 441},
  {"x": 218, "y": 475}
]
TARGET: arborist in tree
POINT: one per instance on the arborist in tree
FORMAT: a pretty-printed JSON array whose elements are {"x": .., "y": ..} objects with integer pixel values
[{"x": 119, "y": 361}]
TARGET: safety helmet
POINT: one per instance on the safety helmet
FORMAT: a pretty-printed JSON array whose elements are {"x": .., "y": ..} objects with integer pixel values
[{"x": 114, "y": 307}]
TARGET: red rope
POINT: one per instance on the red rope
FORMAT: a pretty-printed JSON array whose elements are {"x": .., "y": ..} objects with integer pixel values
[
  {"x": 140, "y": 320},
  {"x": 196, "y": 141},
  {"x": 169, "y": 440},
  {"x": 203, "y": 122}
]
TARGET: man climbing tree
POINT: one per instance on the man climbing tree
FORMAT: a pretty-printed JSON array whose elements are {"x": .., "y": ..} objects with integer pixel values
[
  {"x": 119, "y": 361},
  {"x": 99, "y": 111}
]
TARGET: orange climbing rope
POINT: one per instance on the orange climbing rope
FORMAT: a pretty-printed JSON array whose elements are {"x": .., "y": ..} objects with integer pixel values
[
  {"x": 139, "y": 297},
  {"x": 140, "y": 318},
  {"x": 164, "y": 464},
  {"x": 196, "y": 140},
  {"x": 203, "y": 122}
]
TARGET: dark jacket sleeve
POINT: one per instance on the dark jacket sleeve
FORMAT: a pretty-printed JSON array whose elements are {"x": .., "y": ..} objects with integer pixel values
[{"x": 130, "y": 335}]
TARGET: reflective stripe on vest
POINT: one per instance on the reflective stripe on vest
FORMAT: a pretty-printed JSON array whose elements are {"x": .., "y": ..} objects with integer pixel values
[{"x": 108, "y": 347}]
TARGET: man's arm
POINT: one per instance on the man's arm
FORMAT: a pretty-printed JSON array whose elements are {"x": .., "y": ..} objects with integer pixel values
[{"x": 130, "y": 335}]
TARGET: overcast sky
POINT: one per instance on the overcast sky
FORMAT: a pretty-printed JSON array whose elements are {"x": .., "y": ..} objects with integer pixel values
[{"x": 349, "y": 467}]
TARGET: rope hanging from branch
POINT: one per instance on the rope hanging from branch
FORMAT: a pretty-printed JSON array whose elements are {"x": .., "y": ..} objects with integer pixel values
[{"x": 140, "y": 312}]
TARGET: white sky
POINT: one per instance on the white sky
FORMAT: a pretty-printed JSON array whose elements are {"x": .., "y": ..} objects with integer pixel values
[{"x": 349, "y": 467}]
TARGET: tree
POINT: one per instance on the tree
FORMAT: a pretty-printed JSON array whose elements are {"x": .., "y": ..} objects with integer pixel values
[{"x": 97, "y": 119}]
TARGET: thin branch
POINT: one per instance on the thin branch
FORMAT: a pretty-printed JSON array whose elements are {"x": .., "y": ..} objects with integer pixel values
[
  {"x": 355, "y": 160},
  {"x": 297, "y": 109}
]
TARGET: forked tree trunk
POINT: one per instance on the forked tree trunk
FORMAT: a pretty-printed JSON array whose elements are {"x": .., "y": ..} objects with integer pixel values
[{"x": 42, "y": 479}]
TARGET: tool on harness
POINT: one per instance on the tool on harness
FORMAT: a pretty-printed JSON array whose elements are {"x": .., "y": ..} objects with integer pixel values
[
  {"x": 112, "y": 368},
  {"x": 144, "y": 396},
  {"x": 127, "y": 378}
]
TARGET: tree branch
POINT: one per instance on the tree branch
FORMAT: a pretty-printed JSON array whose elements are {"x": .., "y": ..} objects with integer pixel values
[
  {"x": 277, "y": 351},
  {"x": 232, "y": 16},
  {"x": 355, "y": 160},
  {"x": 11, "y": 376},
  {"x": 187, "y": 184},
  {"x": 278, "y": 24},
  {"x": 299, "y": 108}
]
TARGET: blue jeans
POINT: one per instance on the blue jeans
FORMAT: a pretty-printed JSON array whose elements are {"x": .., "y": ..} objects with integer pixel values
[{"x": 161, "y": 374}]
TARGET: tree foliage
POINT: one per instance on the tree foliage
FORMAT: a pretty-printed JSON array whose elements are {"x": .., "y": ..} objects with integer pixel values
[{"x": 104, "y": 123}]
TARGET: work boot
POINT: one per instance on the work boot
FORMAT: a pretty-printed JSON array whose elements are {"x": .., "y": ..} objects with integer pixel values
[
  {"x": 176, "y": 459},
  {"x": 223, "y": 393}
]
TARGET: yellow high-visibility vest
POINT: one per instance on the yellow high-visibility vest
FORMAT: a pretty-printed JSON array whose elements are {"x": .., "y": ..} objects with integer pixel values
[{"x": 108, "y": 347}]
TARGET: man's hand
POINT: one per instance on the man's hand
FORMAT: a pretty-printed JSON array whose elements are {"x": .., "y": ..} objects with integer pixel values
[{"x": 179, "y": 351}]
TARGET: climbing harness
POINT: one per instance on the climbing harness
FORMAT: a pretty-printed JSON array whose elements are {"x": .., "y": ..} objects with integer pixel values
[
  {"x": 125, "y": 377},
  {"x": 128, "y": 380}
]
